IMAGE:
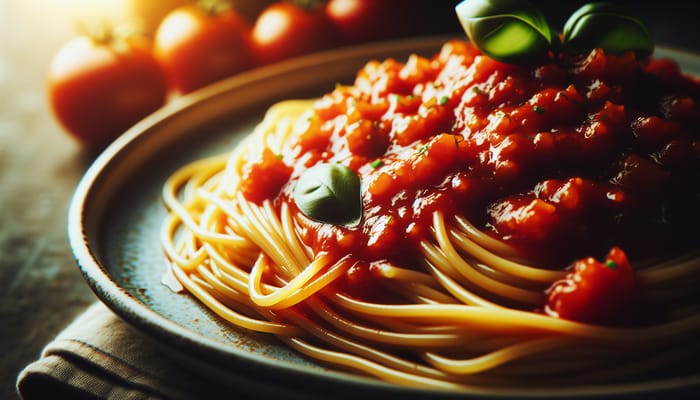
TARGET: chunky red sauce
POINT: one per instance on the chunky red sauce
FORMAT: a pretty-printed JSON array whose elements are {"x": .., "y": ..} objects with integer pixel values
[
  {"x": 595, "y": 291},
  {"x": 562, "y": 160}
]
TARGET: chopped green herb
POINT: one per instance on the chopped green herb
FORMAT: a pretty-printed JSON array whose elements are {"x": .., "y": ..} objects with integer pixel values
[
  {"x": 611, "y": 264},
  {"x": 477, "y": 90},
  {"x": 538, "y": 109},
  {"x": 443, "y": 100},
  {"x": 422, "y": 149},
  {"x": 376, "y": 163}
]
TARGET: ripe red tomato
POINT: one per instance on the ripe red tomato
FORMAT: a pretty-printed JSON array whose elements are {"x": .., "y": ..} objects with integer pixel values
[
  {"x": 99, "y": 88},
  {"x": 363, "y": 20},
  {"x": 199, "y": 46},
  {"x": 285, "y": 29},
  {"x": 595, "y": 292}
]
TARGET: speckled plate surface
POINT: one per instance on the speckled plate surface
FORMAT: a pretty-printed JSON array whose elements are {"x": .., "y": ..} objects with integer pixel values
[{"x": 116, "y": 215}]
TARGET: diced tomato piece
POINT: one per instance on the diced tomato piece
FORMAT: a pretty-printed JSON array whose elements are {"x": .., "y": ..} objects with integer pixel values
[
  {"x": 652, "y": 131},
  {"x": 640, "y": 174},
  {"x": 524, "y": 217},
  {"x": 365, "y": 138},
  {"x": 595, "y": 292},
  {"x": 264, "y": 177}
]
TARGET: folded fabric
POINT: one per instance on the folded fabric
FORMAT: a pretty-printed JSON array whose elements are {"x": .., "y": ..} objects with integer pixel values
[{"x": 99, "y": 356}]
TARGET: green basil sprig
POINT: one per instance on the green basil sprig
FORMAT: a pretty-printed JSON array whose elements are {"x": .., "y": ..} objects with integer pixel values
[
  {"x": 330, "y": 193},
  {"x": 514, "y": 31},
  {"x": 511, "y": 31},
  {"x": 609, "y": 27}
]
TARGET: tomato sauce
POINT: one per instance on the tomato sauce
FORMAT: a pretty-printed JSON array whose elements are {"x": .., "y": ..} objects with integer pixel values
[
  {"x": 595, "y": 292},
  {"x": 562, "y": 160}
]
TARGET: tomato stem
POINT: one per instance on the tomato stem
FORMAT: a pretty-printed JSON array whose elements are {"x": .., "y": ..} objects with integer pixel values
[
  {"x": 308, "y": 5},
  {"x": 106, "y": 33},
  {"x": 214, "y": 7},
  {"x": 100, "y": 32}
]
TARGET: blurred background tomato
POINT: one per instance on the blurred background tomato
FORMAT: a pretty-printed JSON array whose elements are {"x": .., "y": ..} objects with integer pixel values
[{"x": 199, "y": 44}]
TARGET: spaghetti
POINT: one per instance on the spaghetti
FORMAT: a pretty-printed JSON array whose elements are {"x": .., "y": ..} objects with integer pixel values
[{"x": 470, "y": 197}]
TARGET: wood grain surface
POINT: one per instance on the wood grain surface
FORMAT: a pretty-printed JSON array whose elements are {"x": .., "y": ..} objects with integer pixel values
[{"x": 41, "y": 289}]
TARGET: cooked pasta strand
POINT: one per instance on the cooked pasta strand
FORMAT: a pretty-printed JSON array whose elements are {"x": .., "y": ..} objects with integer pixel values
[{"x": 460, "y": 317}]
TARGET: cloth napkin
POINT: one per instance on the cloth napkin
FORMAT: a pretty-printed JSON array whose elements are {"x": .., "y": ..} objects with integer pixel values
[{"x": 99, "y": 356}]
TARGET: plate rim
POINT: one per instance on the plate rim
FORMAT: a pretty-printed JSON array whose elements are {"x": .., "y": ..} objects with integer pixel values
[{"x": 192, "y": 344}]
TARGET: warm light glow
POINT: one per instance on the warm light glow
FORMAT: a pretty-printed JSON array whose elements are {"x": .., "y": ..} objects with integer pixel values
[
  {"x": 69, "y": 61},
  {"x": 44, "y": 26},
  {"x": 80, "y": 9},
  {"x": 56, "y": 20},
  {"x": 270, "y": 27},
  {"x": 174, "y": 24}
]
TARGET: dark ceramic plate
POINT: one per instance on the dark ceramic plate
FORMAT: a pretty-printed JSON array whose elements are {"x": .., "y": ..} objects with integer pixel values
[{"x": 116, "y": 215}]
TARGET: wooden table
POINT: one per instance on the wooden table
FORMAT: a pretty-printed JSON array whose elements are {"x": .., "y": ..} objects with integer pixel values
[{"x": 41, "y": 289}]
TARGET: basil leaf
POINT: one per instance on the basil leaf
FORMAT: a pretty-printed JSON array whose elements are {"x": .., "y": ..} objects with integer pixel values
[
  {"x": 607, "y": 26},
  {"x": 330, "y": 193},
  {"x": 511, "y": 31}
]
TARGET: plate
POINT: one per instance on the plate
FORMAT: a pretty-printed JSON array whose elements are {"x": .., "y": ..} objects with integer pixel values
[{"x": 116, "y": 214}]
